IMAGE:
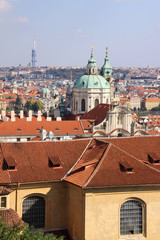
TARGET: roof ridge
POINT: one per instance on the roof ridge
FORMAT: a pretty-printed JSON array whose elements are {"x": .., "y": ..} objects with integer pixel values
[
  {"x": 99, "y": 164},
  {"x": 66, "y": 175},
  {"x": 139, "y": 160}
]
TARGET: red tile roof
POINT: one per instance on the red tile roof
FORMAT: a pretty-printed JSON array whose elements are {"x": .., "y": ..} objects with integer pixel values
[
  {"x": 23, "y": 127},
  {"x": 98, "y": 113},
  {"x": 10, "y": 217},
  {"x": 32, "y": 159},
  {"x": 107, "y": 171},
  {"x": 4, "y": 191}
]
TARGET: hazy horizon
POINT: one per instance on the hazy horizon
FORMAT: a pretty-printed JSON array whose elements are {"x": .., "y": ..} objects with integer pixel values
[{"x": 65, "y": 30}]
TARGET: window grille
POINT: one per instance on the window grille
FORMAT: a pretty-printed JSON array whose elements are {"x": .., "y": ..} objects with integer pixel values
[
  {"x": 33, "y": 211},
  {"x": 131, "y": 218}
]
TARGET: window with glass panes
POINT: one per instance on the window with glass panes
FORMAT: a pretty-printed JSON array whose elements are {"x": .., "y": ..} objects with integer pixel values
[
  {"x": 131, "y": 218},
  {"x": 3, "y": 201},
  {"x": 33, "y": 211}
]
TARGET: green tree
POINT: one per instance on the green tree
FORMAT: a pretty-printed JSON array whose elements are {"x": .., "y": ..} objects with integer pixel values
[
  {"x": 23, "y": 233},
  {"x": 51, "y": 111},
  {"x": 37, "y": 106},
  {"x": 18, "y": 105},
  {"x": 28, "y": 106}
]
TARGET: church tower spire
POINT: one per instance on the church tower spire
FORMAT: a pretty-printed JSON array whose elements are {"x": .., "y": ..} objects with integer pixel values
[
  {"x": 106, "y": 68},
  {"x": 91, "y": 66}
]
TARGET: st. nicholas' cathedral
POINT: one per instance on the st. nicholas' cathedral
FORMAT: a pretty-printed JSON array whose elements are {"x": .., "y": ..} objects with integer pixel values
[{"x": 93, "y": 87}]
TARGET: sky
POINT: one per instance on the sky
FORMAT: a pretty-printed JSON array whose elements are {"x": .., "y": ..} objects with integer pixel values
[{"x": 65, "y": 30}]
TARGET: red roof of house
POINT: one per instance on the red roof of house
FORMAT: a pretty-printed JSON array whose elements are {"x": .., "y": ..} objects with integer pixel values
[
  {"x": 98, "y": 113},
  {"x": 10, "y": 217},
  {"x": 107, "y": 170},
  {"x": 32, "y": 160},
  {"x": 85, "y": 163},
  {"x": 23, "y": 127}
]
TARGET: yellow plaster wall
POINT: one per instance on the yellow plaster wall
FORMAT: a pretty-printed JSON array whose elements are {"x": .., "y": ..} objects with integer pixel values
[
  {"x": 55, "y": 200},
  {"x": 75, "y": 212},
  {"x": 102, "y": 214},
  {"x": 150, "y": 105}
]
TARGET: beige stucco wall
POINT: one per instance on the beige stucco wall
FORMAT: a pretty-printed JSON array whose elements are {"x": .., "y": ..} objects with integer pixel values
[
  {"x": 75, "y": 212},
  {"x": 55, "y": 201},
  {"x": 102, "y": 213}
]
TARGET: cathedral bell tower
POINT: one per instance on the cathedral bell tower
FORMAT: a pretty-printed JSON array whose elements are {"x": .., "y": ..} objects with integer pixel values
[{"x": 107, "y": 73}]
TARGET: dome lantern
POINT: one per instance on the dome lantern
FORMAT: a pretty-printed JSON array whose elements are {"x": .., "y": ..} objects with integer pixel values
[{"x": 91, "y": 66}]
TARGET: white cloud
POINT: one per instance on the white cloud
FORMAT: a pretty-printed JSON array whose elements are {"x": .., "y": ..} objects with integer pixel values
[
  {"x": 5, "y": 6},
  {"x": 21, "y": 19},
  {"x": 79, "y": 30}
]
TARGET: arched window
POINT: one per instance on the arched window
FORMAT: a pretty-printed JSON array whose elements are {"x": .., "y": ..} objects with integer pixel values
[
  {"x": 131, "y": 218},
  {"x": 83, "y": 105},
  {"x": 33, "y": 211},
  {"x": 96, "y": 102}
]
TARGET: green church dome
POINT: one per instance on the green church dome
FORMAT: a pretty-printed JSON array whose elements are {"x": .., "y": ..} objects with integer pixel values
[{"x": 91, "y": 81}]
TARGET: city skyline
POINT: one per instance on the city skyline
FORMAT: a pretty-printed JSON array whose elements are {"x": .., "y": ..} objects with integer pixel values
[{"x": 65, "y": 30}]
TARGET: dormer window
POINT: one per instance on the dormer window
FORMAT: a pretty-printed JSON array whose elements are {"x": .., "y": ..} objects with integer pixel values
[
  {"x": 10, "y": 162},
  {"x": 126, "y": 167},
  {"x": 153, "y": 158},
  {"x": 54, "y": 162}
]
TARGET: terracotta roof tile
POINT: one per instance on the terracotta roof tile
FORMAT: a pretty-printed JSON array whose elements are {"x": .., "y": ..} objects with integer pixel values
[
  {"x": 98, "y": 113},
  {"x": 34, "y": 158},
  {"x": 10, "y": 217}
]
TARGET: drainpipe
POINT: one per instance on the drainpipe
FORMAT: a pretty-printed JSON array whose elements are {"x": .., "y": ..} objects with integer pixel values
[{"x": 16, "y": 203}]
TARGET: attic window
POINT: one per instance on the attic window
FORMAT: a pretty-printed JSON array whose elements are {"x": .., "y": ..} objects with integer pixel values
[
  {"x": 57, "y": 129},
  {"x": 54, "y": 162},
  {"x": 153, "y": 158},
  {"x": 76, "y": 129},
  {"x": 38, "y": 129},
  {"x": 126, "y": 167},
  {"x": 11, "y": 163},
  {"x": 19, "y": 130}
]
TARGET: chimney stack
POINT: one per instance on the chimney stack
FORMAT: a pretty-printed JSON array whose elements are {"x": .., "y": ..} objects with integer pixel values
[
  {"x": 13, "y": 116},
  {"x": 29, "y": 118},
  {"x": 39, "y": 118},
  {"x": 21, "y": 114},
  {"x": 3, "y": 113}
]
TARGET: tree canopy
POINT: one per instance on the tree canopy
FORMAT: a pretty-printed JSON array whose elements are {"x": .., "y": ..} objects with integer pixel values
[{"x": 23, "y": 233}]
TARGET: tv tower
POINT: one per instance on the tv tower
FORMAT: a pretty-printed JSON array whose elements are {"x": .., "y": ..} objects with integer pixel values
[{"x": 34, "y": 54}]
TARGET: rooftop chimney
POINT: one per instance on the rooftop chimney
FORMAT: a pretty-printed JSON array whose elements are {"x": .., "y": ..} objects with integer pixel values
[
  {"x": 39, "y": 118},
  {"x": 58, "y": 119},
  {"x": 21, "y": 114},
  {"x": 3, "y": 113},
  {"x": 13, "y": 116},
  {"x": 29, "y": 118},
  {"x": 4, "y": 117}
]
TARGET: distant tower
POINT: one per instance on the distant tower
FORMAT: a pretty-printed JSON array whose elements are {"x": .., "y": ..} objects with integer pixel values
[{"x": 33, "y": 55}]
